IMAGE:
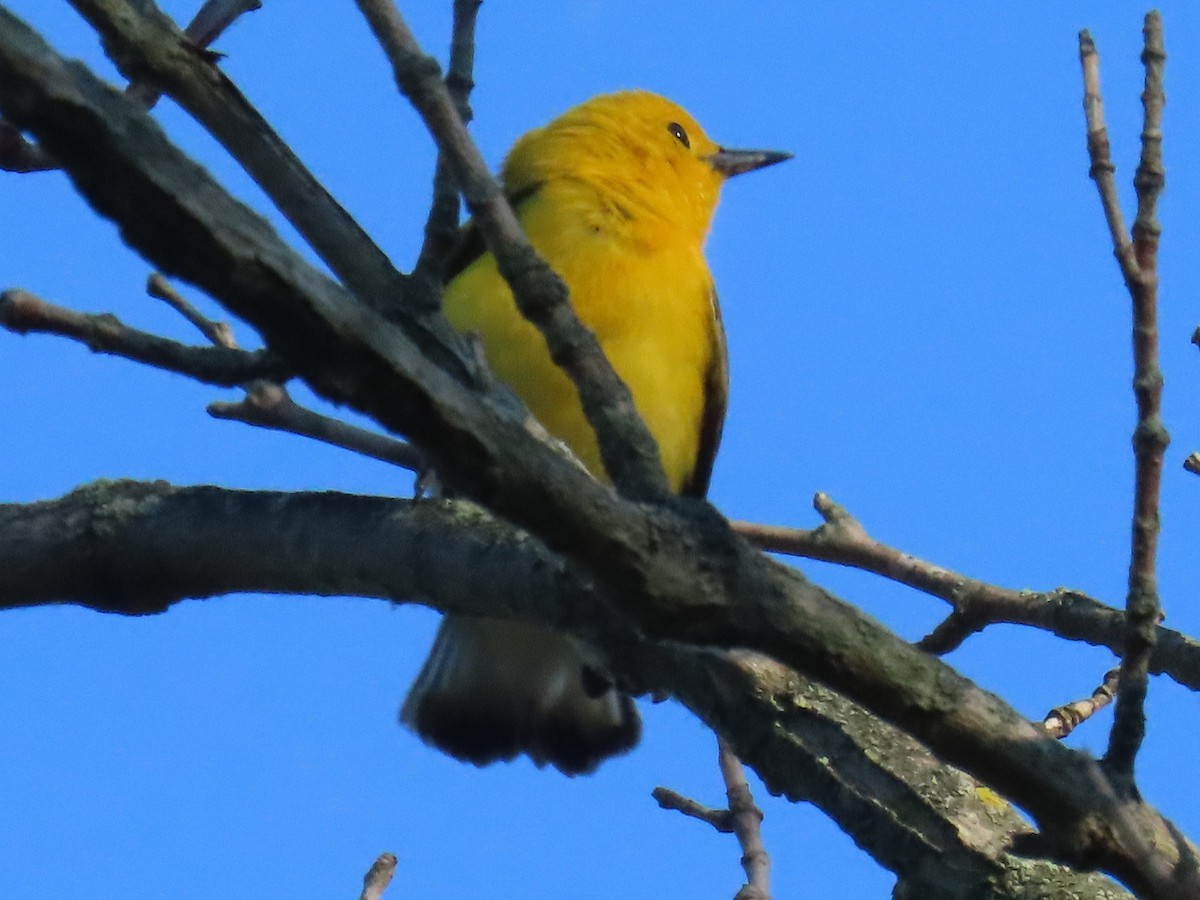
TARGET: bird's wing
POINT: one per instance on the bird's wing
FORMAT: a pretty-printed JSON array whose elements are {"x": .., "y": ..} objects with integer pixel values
[
  {"x": 470, "y": 244},
  {"x": 716, "y": 397}
]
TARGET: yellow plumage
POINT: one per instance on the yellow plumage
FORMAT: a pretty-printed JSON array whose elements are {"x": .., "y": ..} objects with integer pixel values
[{"x": 617, "y": 195}]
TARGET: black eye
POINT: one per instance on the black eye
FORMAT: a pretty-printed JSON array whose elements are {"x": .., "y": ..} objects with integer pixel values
[{"x": 679, "y": 134}]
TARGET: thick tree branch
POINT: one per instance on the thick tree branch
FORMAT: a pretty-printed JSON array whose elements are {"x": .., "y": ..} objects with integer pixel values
[
  {"x": 146, "y": 45},
  {"x": 138, "y": 548},
  {"x": 19, "y": 155},
  {"x": 676, "y": 570},
  {"x": 23, "y": 313}
]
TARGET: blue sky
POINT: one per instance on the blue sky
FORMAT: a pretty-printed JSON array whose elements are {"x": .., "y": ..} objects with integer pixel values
[{"x": 925, "y": 321}]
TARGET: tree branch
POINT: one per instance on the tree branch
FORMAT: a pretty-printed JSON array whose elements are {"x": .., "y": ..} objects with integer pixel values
[
  {"x": 145, "y": 44},
  {"x": 1139, "y": 267},
  {"x": 378, "y": 877},
  {"x": 441, "y": 228},
  {"x": 741, "y": 817},
  {"x": 23, "y": 313},
  {"x": 19, "y": 155},
  {"x": 138, "y": 548},
  {"x": 1062, "y": 720},
  {"x": 1066, "y": 613},
  {"x": 629, "y": 452},
  {"x": 269, "y": 406}
]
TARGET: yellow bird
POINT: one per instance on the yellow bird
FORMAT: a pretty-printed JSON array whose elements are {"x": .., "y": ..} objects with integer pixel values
[{"x": 617, "y": 194}]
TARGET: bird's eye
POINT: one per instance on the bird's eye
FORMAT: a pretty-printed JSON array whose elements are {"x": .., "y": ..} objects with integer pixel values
[{"x": 679, "y": 134}]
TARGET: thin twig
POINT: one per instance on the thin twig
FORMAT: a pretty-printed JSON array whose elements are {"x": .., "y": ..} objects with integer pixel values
[
  {"x": 1062, "y": 720},
  {"x": 629, "y": 452},
  {"x": 378, "y": 877},
  {"x": 1138, "y": 259},
  {"x": 269, "y": 406},
  {"x": 441, "y": 227},
  {"x": 747, "y": 825},
  {"x": 741, "y": 818},
  {"x": 843, "y": 540},
  {"x": 720, "y": 819},
  {"x": 218, "y": 333},
  {"x": 1063, "y": 612},
  {"x": 1099, "y": 152},
  {"x": 23, "y": 313}
]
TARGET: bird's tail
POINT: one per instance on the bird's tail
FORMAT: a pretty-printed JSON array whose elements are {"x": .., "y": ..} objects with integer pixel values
[{"x": 492, "y": 689}]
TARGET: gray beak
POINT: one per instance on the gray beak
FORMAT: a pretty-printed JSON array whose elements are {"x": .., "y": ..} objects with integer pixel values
[{"x": 735, "y": 162}]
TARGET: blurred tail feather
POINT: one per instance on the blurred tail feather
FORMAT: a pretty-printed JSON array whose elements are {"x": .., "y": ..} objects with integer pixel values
[{"x": 492, "y": 689}]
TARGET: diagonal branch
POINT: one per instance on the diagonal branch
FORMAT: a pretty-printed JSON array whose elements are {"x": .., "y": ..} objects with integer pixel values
[
  {"x": 19, "y": 155},
  {"x": 1062, "y": 720},
  {"x": 268, "y": 405},
  {"x": 629, "y": 452},
  {"x": 145, "y": 44},
  {"x": 741, "y": 817}
]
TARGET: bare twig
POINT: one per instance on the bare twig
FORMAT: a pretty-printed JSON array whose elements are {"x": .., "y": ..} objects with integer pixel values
[
  {"x": 218, "y": 333},
  {"x": 441, "y": 227},
  {"x": 23, "y": 313},
  {"x": 1099, "y": 152},
  {"x": 742, "y": 818},
  {"x": 1066, "y": 613},
  {"x": 268, "y": 405},
  {"x": 843, "y": 540},
  {"x": 378, "y": 877},
  {"x": 1138, "y": 259},
  {"x": 1062, "y": 720},
  {"x": 629, "y": 452},
  {"x": 747, "y": 825},
  {"x": 720, "y": 819}
]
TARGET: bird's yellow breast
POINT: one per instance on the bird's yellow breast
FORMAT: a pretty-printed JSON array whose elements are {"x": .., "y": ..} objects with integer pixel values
[{"x": 647, "y": 294}]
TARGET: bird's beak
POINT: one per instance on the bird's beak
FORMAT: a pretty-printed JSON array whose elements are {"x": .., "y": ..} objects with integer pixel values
[{"x": 735, "y": 162}]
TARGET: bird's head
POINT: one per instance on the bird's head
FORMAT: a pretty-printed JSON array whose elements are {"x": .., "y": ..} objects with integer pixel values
[{"x": 642, "y": 154}]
